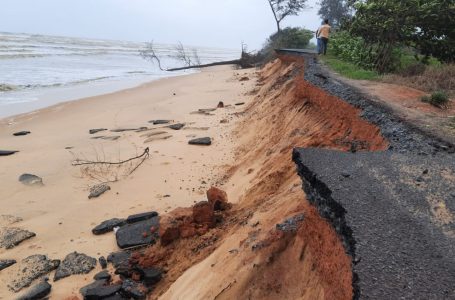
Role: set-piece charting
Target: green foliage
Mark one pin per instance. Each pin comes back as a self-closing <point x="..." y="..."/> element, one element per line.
<point x="348" y="69"/>
<point x="439" y="99"/>
<point x="289" y="37"/>
<point x="336" y="11"/>
<point x="351" y="49"/>
<point x="391" y="24"/>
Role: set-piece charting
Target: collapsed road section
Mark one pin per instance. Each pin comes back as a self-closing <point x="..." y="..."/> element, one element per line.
<point x="394" y="209"/>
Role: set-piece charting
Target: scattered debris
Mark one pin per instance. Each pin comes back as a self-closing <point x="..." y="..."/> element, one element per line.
<point x="224" y="121"/>
<point x="6" y="263"/>
<point x="137" y="234"/>
<point x="245" y="78"/>
<point x="108" y="226"/>
<point x="7" y="152"/>
<point x="141" y="217"/>
<point x="220" y="104"/>
<point x="107" y="138"/>
<point x="177" y="126"/>
<point x="75" y="263"/>
<point x="160" y="122"/>
<point x="103" y="262"/>
<point x="134" y="290"/>
<point x="29" y="269"/>
<point x="156" y="138"/>
<point x="127" y="129"/>
<point x="93" y="131"/>
<point x="30" y="179"/>
<point x="150" y="134"/>
<point x="98" y="283"/>
<point x="205" y="141"/>
<point x="37" y="292"/>
<point x="240" y="103"/>
<point x="21" y="133"/>
<point x="11" y="237"/>
<point x="103" y="275"/>
<point x="291" y="224"/>
<point x="102" y="292"/>
<point x="218" y="199"/>
<point x="98" y="190"/>
<point x="118" y="258"/>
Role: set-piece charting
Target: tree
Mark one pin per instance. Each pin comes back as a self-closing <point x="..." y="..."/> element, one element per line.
<point x="289" y="37"/>
<point x="284" y="8"/>
<point x="335" y="11"/>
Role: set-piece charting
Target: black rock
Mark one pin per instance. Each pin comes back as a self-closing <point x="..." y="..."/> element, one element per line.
<point x="123" y="270"/>
<point x="132" y="289"/>
<point x="118" y="258"/>
<point x="30" y="179"/>
<point x="83" y="290"/>
<point x="75" y="263"/>
<point x="37" y="292"/>
<point x="7" y="152"/>
<point x="141" y="217"/>
<point x="116" y="297"/>
<point x="103" y="262"/>
<point x="137" y="234"/>
<point x="102" y="292"/>
<point x="93" y="131"/>
<point x="160" y="122"/>
<point x="177" y="126"/>
<point x="98" y="190"/>
<point x="345" y="174"/>
<point x="240" y="103"/>
<point x="6" y="263"/>
<point x="151" y="276"/>
<point x="206" y="141"/>
<point x="108" y="226"/>
<point x="102" y="275"/>
<point x="21" y="133"/>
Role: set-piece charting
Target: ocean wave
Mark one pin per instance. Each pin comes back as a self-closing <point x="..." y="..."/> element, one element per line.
<point x="7" y="87"/>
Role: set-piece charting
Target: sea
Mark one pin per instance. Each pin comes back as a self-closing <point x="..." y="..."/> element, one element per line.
<point x="37" y="71"/>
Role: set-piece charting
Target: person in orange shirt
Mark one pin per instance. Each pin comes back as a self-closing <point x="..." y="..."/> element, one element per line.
<point x="323" y="33"/>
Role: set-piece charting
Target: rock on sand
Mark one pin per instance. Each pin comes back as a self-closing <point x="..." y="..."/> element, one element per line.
<point x="75" y="263"/>
<point x="205" y="141"/>
<point x="30" y="179"/>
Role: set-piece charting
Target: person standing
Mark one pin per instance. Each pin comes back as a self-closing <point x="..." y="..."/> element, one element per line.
<point x="323" y="33"/>
<point x="318" y="39"/>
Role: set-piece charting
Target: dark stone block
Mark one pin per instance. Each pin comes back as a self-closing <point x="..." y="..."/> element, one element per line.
<point x="141" y="217"/>
<point x="150" y="276"/>
<point x="108" y="226"/>
<point x="37" y="292"/>
<point x="83" y="290"/>
<point x="102" y="292"/>
<point x="75" y="263"/>
<point x="132" y="289"/>
<point x="103" y="275"/>
<point x="93" y="131"/>
<point x="6" y="263"/>
<point x="30" y="179"/>
<point x="103" y="262"/>
<point x="160" y="122"/>
<point x="118" y="258"/>
<point x="205" y="141"/>
<point x="177" y="126"/>
<point x="7" y="152"/>
<point x="137" y="234"/>
<point x="21" y="133"/>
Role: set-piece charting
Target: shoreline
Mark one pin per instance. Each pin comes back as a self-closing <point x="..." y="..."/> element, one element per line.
<point x="176" y="175"/>
<point x="48" y="97"/>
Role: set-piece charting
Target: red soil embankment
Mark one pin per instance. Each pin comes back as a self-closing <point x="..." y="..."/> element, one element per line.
<point x="248" y="257"/>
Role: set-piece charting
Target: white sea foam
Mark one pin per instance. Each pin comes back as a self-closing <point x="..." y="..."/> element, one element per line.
<point x="31" y="63"/>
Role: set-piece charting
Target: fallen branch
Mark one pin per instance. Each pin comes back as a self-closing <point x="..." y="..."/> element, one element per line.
<point x="79" y="162"/>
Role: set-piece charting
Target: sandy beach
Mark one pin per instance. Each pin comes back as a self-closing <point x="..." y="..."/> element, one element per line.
<point x="176" y="174"/>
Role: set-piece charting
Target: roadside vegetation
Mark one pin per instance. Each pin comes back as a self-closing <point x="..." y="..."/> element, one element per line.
<point x="408" y="42"/>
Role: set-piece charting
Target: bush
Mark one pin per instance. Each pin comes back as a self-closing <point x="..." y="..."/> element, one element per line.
<point x="439" y="99"/>
<point x="352" y="49"/>
<point x="289" y="37"/>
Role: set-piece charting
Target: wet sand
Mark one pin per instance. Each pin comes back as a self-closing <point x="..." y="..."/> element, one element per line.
<point x="176" y="174"/>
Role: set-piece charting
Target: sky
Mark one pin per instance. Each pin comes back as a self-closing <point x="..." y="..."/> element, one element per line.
<point x="213" y="23"/>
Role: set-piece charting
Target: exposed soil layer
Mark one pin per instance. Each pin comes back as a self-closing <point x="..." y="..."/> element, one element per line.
<point x="274" y="244"/>
<point x="400" y="211"/>
<point x="403" y="136"/>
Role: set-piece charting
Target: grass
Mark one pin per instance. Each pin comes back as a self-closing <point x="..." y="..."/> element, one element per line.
<point x="348" y="69"/>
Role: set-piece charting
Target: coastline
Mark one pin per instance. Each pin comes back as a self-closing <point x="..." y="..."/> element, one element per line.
<point x="46" y="97"/>
<point x="177" y="174"/>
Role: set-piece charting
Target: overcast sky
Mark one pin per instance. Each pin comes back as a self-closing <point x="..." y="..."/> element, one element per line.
<point x="217" y="23"/>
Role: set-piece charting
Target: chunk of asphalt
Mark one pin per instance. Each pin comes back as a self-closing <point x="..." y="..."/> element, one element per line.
<point x="93" y="131"/>
<point x="98" y="190"/>
<point x="102" y="292"/>
<point x="5" y="263"/>
<point x="137" y="234"/>
<point x="133" y="290"/>
<point x="160" y="122"/>
<point x="31" y="180"/>
<point x="103" y="262"/>
<point x="205" y="141"/>
<point x="118" y="258"/>
<point x="29" y="269"/>
<point x="37" y="292"/>
<point x="98" y="283"/>
<point x="11" y="236"/>
<point x="108" y="225"/>
<point x="75" y="263"/>
<point x="21" y="133"/>
<point x="103" y="275"/>
<point x="7" y="152"/>
<point x="177" y="126"/>
<point x="141" y="217"/>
